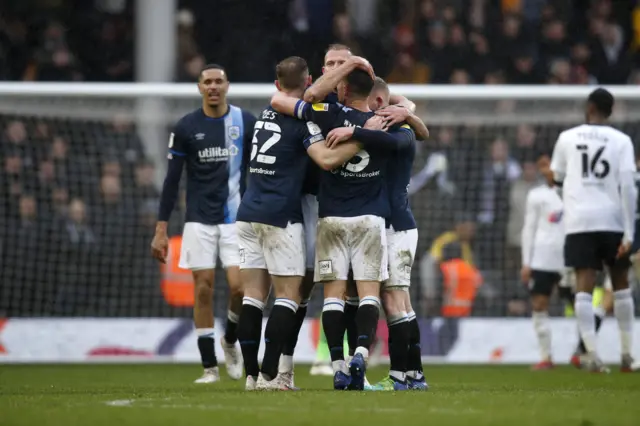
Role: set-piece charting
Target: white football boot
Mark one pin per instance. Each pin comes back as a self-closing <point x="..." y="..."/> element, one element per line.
<point x="232" y="359"/>
<point x="210" y="375"/>
<point x="277" y="384"/>
<point x="250" y="384"/>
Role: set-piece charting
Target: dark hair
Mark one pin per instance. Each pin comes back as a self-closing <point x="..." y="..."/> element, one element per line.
<point x="602" y="100"/>
<point x="213" y="67"/>
<point x="292" y="73"/>
<point x="337" y="46"/>
<point x="360" y="82"/>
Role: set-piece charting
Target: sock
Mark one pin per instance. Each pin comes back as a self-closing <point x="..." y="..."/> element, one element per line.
<point x="598" y="316"/>
<point x="231" y="329"/>
<point x="367" y="321"/>
<point x="249" y="330"/>
<point x="323" y="356"/>
<point x="586" y="321"/>
<point x="623" y="310"/>
<point x="398" y="345"/>
<point x="333" y="325"/>
<point x="206" y="345"/>
<point x="350" y="311"/>
<point x="543" y="332"/>
<point x="286" y="364"/>
<point x="276" y="334"/>
<point x="414" y="359"/>
<point x="290" y="346"/>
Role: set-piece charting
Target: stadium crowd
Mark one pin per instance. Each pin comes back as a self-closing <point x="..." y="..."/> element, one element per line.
<point x="78" y="200"/>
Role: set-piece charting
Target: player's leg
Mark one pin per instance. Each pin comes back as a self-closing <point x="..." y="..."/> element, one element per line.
<point x="581" y="254"/>
<point x="623" y="305"/>
<point x="198" y="253"/>
<point x="256" y="284"/>
<point x="350" y="310"/>
<point x="415" y="372"/>
<point x="286" y="359"/>
<point x="369" y="261"/>
<point x="230" y="257"/>
<point x="284" y="254"/>
<point x="541" y="286"/>
<point x="332" y="269"/>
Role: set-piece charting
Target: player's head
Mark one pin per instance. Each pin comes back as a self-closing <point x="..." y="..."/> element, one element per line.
<point x="465" y="226"/>
<point x="292" y="75"/>
<point x="335" y="56"/>
<point x="544" y="168"/>
<point x="356" y="86"/>
<point x="379" y="96"/>
<point x="599" y="105"/>
<point x="213" y="84"/>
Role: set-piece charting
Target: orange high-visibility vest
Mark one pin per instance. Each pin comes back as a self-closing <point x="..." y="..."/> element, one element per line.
<point x="177" y="283"/>
<point x="461" y="281"/>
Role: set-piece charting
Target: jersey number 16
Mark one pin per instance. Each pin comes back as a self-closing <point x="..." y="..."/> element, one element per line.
<point x="595" y="166"/>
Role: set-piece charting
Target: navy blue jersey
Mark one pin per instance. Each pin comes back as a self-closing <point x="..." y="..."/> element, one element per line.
<point x="277" y="169"/>
<point x="215" y="151"/>
<point x="312" y="179"/>
<point x="358" y="187"/>
<point x="398" y="177"/>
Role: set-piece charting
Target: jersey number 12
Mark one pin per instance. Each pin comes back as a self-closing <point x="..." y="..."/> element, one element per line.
<point x="595" y="166"/>
<point x="274" y="139"/>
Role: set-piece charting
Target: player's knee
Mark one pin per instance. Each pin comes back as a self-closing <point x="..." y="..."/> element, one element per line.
<point x="539" y="303"/>
<point x="236" y="292"/>
<point x="392" y="302"/>
<point x="203" y="292"/>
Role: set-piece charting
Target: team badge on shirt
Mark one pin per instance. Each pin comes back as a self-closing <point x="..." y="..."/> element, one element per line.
<point x="234" y="132"/>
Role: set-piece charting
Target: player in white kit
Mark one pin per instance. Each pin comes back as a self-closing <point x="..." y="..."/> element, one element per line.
<point x="593" y="166"/>
<point x="542" y="259"/>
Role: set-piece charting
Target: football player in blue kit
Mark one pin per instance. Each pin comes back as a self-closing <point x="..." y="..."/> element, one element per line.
<point x="353" y="202"/>
<point x="213" y="144"/>
<point x="270" y="230"/>
<point x="323" y="91"/>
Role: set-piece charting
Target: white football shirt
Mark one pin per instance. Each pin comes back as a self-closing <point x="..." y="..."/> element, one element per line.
<point x="543" y="231"/>
<point x="594" y="164"/>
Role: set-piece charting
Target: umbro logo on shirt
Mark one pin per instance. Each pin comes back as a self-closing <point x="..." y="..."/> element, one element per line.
<point x="217" y="153"/>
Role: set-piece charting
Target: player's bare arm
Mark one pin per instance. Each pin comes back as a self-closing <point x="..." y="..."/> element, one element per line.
<point x="402" y="101"/>
<point x="284" y="103"/>
<point x="330" y="158"/>
<point x="395" y="114"/>
<point x="329" y="81"/>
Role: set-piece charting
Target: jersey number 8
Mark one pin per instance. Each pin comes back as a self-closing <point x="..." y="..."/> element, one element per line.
<point x="596" y="166"/>
<point x="274" y="139"/>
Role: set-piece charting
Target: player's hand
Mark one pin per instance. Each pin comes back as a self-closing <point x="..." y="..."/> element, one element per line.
<point x="623" y="249"/>
<point x="339" y="135"/>
<point x="363" y="64"/>
<point x="160" y="247"/>
<point x="525" y="274"/>
<point x="376" y="123"/>
<point x="394" y="114"/>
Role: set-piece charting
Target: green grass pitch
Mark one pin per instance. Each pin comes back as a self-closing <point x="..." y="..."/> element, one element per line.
<point x="460" y="395"/>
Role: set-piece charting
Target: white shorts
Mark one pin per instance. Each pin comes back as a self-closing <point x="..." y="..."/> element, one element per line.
<point x="401" y="246"/>
<point x="359" y="242"/>
<point x="310" y="218"/>
<point x="278" y="250"/>
<point x="200" y="244"/>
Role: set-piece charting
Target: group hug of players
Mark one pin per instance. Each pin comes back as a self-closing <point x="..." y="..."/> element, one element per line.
<point x="325" y="201"/>
<point x="579" y="222"/>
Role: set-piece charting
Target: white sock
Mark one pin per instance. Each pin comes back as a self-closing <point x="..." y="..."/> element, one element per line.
<point x="205" y="332"/>
<point x="398" y="375"/>
<point x="623" y="310"/>
<point x="286" y="364"/>
<point x="414" y="374"/>
<point x="543" y="332"/>
<point x="362" y="350"/>
<point x="339" y="365"/>
<point x="586" y="320"/>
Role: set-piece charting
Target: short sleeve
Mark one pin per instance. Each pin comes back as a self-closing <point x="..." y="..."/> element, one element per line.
<point x="312" y="134"/>
<point x="323" y="114"/>
<point x="178" y="140"/>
